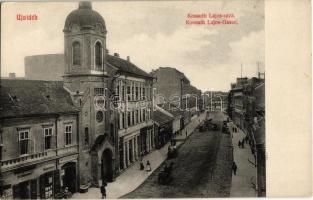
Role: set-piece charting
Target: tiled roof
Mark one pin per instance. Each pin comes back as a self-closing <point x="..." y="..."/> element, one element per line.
<point x="32" y="97"/>
<point x="161" y="118"/>
<point x="126" y="66"/>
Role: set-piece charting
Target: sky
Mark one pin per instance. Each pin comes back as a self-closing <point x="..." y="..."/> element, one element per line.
<point x="154" y="34"/>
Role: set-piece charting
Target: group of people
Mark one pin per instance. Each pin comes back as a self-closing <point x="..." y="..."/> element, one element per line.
<point x="148" y="166"/>
<point x="241" y="143"/>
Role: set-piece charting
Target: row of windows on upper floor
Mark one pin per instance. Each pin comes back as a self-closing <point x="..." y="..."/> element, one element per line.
<point x="134" y="117"/>
<point x="98" y="54"/>
<point x="135" y="91"/>
<point x="26" y="145"/>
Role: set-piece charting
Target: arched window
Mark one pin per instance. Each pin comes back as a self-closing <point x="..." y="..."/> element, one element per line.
<point x="76" y="53"/>
<point x="98" y="55"/>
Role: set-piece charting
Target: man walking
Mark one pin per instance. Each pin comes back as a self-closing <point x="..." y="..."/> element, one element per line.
<point x="103" y="190"/>
<point x="234" y="167"/>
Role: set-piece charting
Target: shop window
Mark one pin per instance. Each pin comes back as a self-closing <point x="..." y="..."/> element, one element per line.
<point x="24" y="142"/>
<point x="68" y="134"/>
<point x="48" y="138"/>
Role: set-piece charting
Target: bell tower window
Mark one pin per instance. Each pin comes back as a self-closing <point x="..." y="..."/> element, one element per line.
<point x="76" y="53"/>
<point x="98" y="55"/>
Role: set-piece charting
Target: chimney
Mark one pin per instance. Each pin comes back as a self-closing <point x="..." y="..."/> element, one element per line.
<point x="116" y="55"/>
<point x="128" y="58"/>
<point x="12" y="75"/>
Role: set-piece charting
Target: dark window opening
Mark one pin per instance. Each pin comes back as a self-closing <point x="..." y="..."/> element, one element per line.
<point x="76" y="53"/>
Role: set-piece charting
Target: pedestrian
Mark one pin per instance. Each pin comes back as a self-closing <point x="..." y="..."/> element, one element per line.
<point x="148" y="166"/>
<point x="142" y="167"/>
<point x="103" y="191"/>
<point x="234" y="167"/>
<point x="186" y="134"/>
<point x="252" y="150"/>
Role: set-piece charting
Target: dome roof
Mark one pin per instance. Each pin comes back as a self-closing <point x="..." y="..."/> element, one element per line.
<point x="84" y="17"/>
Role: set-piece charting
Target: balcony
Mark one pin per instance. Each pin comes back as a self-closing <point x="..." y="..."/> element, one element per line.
<point x="33" y="158"/>
<point x="26" y="159"/>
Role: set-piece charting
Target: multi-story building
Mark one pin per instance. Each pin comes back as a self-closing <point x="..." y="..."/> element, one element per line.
<point x="246" y="107"/>
<point x="134" y="100"/>
<point x="173" y="87"/>
<point x="215" y="100"/>
<point x="39" y="139"/>
<point x="114" y="97"/>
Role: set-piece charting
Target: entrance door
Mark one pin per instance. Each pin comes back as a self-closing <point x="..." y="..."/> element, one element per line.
<point x="69" y="178"/>
<point x="22" y="190"/>
<point x="107" y="166"/>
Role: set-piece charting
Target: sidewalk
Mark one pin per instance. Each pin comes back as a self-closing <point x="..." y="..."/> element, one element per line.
<point x="132" y="177"/>
<point x="246" y="171"/>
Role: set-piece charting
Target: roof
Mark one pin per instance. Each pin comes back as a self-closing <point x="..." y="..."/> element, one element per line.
<point x="126" y="66"/>
<point x="161" y="118"/>
<point x="84" y="17"/>
<point x="171" y="109"/>
<point x="33" y="97"/>
<point x="182" y="75"/>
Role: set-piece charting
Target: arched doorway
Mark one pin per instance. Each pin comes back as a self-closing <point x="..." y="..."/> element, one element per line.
<point x="107" y="166"/>
<point x="69" y="177"/>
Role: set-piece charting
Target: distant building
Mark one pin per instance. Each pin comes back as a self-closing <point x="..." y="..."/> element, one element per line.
<point x="215" y="100"/>
<point x="173" y="87"/>
<point x="49" y="67"/>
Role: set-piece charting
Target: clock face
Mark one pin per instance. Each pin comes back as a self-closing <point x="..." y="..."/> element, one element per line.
<point x="99" y="116"/>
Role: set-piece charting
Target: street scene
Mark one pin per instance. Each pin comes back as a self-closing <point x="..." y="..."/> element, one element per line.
<point x="91" y="111"/>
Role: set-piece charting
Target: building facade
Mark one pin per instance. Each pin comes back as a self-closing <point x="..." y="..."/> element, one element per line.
<point x="173" y="88"/>
<point x="134" y="103"/>
<point x="53" y="69"/>
<point x="39" y="139"/>
<point x="246" y="107"/>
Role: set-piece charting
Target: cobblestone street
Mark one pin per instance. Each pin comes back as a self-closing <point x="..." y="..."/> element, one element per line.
<point x="201" y="169"/>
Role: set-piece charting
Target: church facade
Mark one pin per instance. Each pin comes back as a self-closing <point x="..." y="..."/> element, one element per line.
<point x="114" y="97"/>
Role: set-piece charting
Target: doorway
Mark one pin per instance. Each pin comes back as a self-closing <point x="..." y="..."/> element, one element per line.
<point x="107" y="166"/>
<point x="69" y="177"/>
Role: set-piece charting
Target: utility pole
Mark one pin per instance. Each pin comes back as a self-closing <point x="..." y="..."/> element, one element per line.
<point x="241" y="70"/>
<point x="258" y="69"/>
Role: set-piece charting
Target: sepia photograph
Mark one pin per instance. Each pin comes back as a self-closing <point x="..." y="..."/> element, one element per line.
<point x="132" y="99"/>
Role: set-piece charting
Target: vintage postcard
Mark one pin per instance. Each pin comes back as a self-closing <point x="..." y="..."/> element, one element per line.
<point x="134" y="99"/>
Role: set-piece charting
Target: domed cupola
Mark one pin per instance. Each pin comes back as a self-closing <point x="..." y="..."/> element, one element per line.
<point x="84" y="18"/>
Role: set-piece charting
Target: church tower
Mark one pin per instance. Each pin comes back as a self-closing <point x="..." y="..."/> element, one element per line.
<point x="87" y="78"/>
